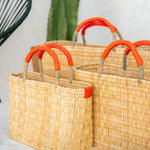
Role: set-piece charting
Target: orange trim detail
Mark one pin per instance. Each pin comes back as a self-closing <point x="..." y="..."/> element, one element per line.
<point x="128" y="44"/>
<point x="61" y="48"/>
<point x="96" y="19"/>
<point x="91" y="24"/>
<point x="137" y="44"/>
<point x="43" y="48"/>
<point x="88" y="92"/>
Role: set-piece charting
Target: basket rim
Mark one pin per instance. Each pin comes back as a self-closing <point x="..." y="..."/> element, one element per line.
<point x="146" y="71"/>
<point x="74" y="82"/>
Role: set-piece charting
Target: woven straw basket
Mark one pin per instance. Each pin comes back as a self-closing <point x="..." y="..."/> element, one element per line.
<point x="120" y="105"/>
<point x="47" y="113"/>
<point x="81" y="53"/>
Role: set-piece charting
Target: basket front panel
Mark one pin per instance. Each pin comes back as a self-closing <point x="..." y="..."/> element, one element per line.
<point x="120" y="111"/>
<point x="46" y="117"/>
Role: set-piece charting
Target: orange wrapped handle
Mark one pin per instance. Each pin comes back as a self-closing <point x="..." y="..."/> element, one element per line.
<point x="96" y="19"/>
<point x="138" y="43"/>
<point x="44" y="48"/>
<point x="61" y="48"/>
<point x="128" y="44"/>
<point x="91" y="24"/>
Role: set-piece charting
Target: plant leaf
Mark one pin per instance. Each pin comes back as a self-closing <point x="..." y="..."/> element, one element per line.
<point x="57" y="27"/>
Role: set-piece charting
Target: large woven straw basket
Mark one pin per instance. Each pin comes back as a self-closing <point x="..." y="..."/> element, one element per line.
<point x="47" y="113"/>
<point x="120" y="104"/>
<point x="81" y="53"/>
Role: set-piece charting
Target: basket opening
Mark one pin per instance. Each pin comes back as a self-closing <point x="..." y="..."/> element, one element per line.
<point x="114" y="70"/>
<point x="51" y="80"/>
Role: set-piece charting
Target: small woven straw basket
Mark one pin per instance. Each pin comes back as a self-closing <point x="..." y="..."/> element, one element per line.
<point x="49" y="113"/>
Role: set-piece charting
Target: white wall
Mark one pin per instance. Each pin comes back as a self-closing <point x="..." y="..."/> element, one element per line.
<point x="131" y="17"/>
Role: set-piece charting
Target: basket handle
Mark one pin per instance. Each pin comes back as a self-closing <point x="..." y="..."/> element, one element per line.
<point x="127" y="50"/>
<point x="50" y="52"/>
<point x="101" y="21"/>
<point x="65" y="51"/>
<point x="91" y="24"/>
<point x="134" y="52"/>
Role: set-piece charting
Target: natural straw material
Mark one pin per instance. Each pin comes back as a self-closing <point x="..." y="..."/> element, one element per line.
<point x="47" y="116"/>
<point x="94" y="148"/>
<point x="120" y="106"/>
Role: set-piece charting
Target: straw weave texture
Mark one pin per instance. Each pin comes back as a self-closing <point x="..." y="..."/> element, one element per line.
<point x="47" y="117"/>
<point x="121" y="107"/>
<point x="94" y="148"/>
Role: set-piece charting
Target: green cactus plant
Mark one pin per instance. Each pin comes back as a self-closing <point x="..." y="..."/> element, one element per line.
<point x="62" y="19"/>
